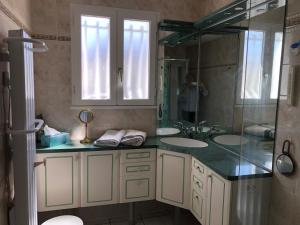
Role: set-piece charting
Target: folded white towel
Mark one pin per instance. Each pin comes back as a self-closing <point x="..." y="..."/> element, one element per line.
<point x="48" y="131"/>
<point x="110" y="138"/>
<point x="134" y="138"/>
<point x="261" y="130"/>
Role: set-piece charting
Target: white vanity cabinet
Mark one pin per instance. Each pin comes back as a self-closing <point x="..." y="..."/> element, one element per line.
<point x="137" y="175"/>
<point x="100" y="178"/>
<point x="173" y="178"/>
<point x="210" y="195"/>
<point x="58" y="181"/>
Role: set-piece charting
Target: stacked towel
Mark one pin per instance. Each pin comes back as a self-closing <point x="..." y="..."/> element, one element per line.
<point x="267" y="131"/>
<point x="134" y="138"/>
<point x="111" y="138"/>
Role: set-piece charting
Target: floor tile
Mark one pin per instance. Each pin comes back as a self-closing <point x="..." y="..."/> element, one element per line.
<point x="164" y="220"/>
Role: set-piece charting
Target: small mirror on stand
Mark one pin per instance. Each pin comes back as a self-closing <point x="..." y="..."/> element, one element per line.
<point x="86" y="116"/>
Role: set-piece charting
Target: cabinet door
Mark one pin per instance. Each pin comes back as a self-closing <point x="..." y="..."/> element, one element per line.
<point x="218" y="200"/>
<point x="137" y="181"/>
<point x="57" y="181"/>
<point x="173" y="178"/>
<point x="197" y="206"/>
<point x="100" y="178"/>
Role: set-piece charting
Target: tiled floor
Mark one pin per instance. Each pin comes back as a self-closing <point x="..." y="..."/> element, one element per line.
<point x="161" y="220"/>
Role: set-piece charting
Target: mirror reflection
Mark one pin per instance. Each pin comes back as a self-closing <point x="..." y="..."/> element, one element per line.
<point x="223" y="85"/>
<point x="86" y="116"/>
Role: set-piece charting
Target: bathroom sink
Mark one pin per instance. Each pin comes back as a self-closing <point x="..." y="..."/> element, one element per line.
<point x="231" y="140"/>
<point x="184" y="142"/>
<point x="167" y="131"/>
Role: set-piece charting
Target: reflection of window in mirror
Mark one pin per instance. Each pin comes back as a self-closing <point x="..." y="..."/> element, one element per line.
<point x="261" y="55"/>
<point x="252" y="65"/>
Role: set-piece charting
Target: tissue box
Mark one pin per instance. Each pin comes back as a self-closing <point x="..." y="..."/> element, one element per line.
<point x="51" y="141"/>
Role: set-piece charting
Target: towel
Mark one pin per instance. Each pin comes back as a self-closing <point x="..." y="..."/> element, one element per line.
<point x="111" y="138"/>
<point x="134" y="138"/>
<point x="267" y="131"/>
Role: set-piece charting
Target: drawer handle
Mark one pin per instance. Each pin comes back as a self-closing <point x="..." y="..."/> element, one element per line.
<point x="198" y="168"/>
<point x="198" y="184"/>
<point x="197" y="197"/>
<point x="36" y="164"/>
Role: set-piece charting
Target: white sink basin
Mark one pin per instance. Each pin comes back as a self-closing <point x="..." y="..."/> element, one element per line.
<point x="184" y="142"/>
<point x="167" y="131"/>
<point x="231" y="140"/>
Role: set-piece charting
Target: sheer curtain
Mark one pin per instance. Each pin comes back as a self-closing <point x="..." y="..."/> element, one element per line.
<point x="276" y="64"/>
<point x="95" y="58"/>
<point x="252" y="65"/>
<point x="136" y="59"/>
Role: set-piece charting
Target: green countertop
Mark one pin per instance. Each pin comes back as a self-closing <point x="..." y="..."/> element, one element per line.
<point x="224" y="162"/>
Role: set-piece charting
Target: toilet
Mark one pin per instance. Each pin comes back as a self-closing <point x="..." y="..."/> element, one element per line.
<point x="64" y="220"/>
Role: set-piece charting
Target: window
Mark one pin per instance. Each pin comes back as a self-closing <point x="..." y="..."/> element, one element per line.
<point x="254" y="50"/>
<point x="95" y="57"/>
<point x="136" y="59"/>
<point x="276" y="64"/>
<point x="113" y="56"/>
<point x="260" y="75"/>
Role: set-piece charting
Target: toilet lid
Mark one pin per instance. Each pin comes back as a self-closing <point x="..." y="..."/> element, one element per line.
<point x="64" y="220"/>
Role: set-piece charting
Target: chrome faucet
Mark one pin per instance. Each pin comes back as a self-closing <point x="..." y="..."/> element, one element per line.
<point x="186" y="131"/>
<point x="179" y="125"/>
<point x="201" y="125"/>
<point x="213" y="127"/>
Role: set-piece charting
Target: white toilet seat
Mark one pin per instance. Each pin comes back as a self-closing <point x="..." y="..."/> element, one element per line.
<point x="64" y="220"/>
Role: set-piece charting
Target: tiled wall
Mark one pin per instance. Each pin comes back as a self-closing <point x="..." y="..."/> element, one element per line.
<point x="9" y="19"/>
<point x="219" y="57"/>
<point x="285" y="205"/>
<point x="19" y="11"/>
<point x="51" y="20"/>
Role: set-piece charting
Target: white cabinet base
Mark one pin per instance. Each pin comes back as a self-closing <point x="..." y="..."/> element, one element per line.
<point x="173" y="178"/>
<point x="100" y="178"/>
<point x="58" y="181"/>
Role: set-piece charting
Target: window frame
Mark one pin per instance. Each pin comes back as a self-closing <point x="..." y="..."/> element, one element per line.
<point x="138" y="15"/>
<point x="116" y="16"/>
<point x="266" y="99"/>
<point x="76" y="12"/>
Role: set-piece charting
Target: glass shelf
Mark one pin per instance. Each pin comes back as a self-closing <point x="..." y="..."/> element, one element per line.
<point x="219" y="22"/>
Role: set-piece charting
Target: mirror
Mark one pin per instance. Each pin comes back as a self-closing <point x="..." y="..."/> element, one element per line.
<point x="86" y="117"/>
<point x="238" y="80"/>
<point x="285" y="165"/>
<point x="179" y="91"/>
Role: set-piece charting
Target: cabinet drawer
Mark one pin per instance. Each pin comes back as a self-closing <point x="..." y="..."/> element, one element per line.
<point x="137" y="181"/>
<point x="137" y="188"/>
<point x="198" y="205"/>
<point x="198" y="169"/>
<point x="198" y="184"/>
<point x="130" y="169"/>
<point x="138" y="155"/>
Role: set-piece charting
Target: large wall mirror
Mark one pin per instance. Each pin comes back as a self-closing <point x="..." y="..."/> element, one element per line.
<point x="227" y="80"/>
